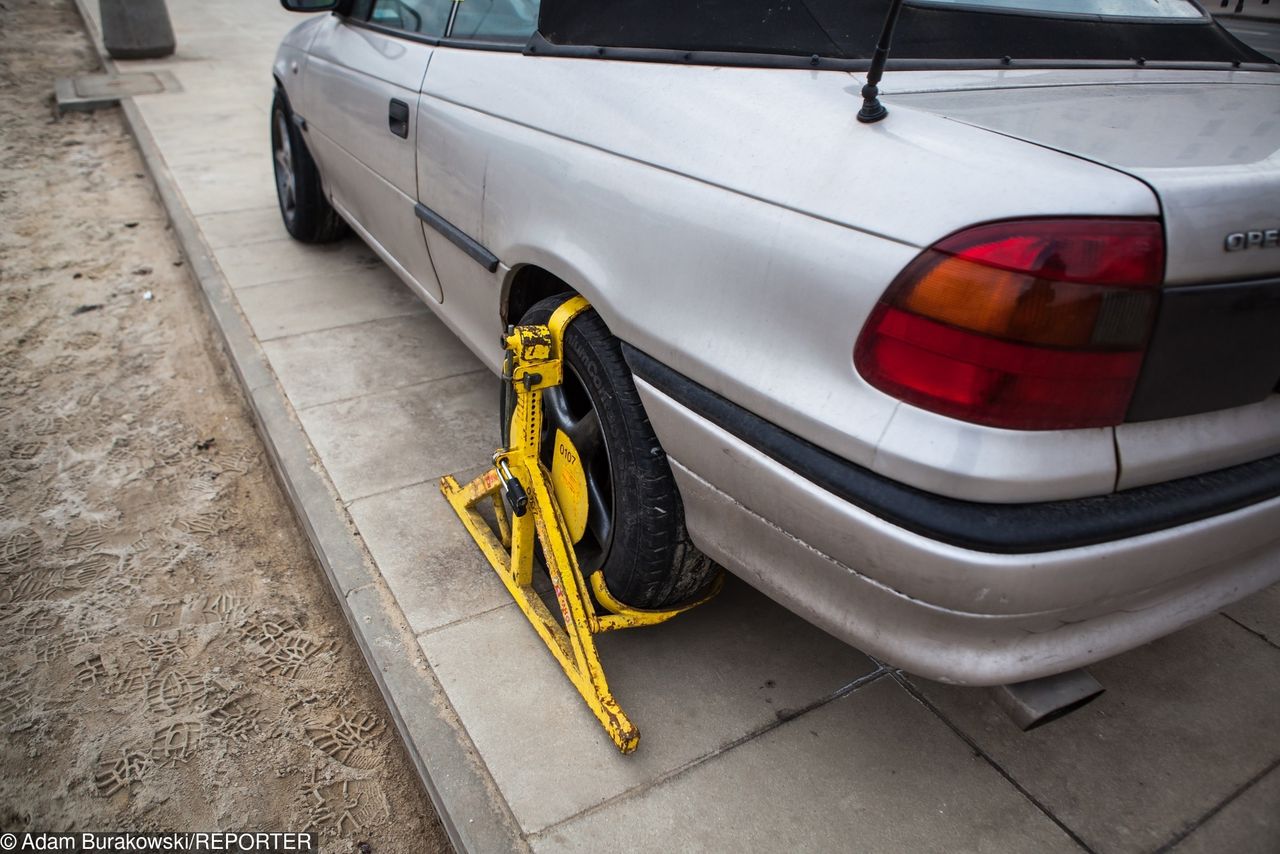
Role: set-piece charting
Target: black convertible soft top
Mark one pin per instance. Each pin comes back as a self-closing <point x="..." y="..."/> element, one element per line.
<point x="846" y="30"/>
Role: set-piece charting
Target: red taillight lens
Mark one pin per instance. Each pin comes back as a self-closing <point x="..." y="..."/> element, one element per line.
<point x="1031" y="325"/>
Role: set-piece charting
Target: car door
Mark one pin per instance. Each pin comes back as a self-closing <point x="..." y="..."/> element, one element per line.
<point x="365" y="76"/>
<point x="453" y="162"/>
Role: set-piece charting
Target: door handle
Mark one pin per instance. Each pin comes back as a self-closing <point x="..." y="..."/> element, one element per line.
<point x="398" y="118"/>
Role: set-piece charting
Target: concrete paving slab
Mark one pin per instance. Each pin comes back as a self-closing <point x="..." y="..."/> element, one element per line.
<point x="428" y="560"/>
<point x="286" y="258"/>
<point x="350" y="361"/>
<point x="1249" y="824"/>
<point x="244" y="152"/>
<point x="1188" y="720"/>
<point x="209" y="195"/>
<point x="207" y="109"/>
<point x="324" y="302"/>
<point x="246" y="138"/>
<point x="870" y="772"/>
<point x="694" y="686"/>
<point x="186" y="64"/>
<point x="197" y="165"/>
<point x="205" y="194"/>
<point x="405" y="436"/>
<point x="239" y="151"/>
<point x="221" y="43"/>
<point x="229" y="170"/>
<point x="242" y="228"/>
<point x="215" y="198"/>
<point x="1260" y="613"/>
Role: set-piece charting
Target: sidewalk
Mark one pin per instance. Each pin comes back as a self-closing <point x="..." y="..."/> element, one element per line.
<point x="760" y="732"/>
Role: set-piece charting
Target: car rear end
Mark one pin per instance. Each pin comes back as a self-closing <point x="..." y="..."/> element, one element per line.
<point x="1027" y="329"/>
<point x="1004" y="348"/>
<point x="924" y="381"/>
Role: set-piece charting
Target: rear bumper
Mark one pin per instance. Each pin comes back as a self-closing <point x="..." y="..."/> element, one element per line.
<point x="1024" y="591"/>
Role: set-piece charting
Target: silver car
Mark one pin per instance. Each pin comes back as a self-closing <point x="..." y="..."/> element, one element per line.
<point x="987" y="388"/>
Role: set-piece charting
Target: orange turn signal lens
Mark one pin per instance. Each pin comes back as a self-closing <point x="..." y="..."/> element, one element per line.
<point x="1021" y="307"/>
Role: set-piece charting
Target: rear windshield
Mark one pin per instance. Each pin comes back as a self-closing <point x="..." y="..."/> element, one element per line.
<point x="983" y="31"/>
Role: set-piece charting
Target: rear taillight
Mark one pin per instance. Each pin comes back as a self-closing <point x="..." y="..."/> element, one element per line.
<point x="1030" y="325"/>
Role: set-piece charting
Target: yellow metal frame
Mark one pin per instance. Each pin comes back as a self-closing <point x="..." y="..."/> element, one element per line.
<point x="535" y="364"/>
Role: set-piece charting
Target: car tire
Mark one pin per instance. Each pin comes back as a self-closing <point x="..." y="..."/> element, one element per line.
<point x="307" y="214"/>
<point x="635" y="529"/>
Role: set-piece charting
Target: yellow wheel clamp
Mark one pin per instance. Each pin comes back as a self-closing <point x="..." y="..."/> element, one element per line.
<point x="534" y="360"/>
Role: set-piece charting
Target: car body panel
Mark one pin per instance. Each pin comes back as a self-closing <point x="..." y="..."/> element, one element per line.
<point x="1156" y="451"/>
<point x="949" y="457"/>
<point x="898" y="82"/>
<point x="371" y="174"/>
<point x="452" y="182"/>
<point x="300" y="36"/>
<point x="690" y="120"/>
<point x="1212" y="154"/>
<point x="290" y="64"/>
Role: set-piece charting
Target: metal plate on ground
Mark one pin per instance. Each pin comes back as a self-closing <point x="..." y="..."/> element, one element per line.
<point x="94" y="91"/>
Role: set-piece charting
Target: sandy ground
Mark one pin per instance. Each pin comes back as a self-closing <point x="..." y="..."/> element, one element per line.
<point x="170" y="657"/>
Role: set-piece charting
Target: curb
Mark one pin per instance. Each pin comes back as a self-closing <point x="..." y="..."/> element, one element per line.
<point x="471" y="809"/>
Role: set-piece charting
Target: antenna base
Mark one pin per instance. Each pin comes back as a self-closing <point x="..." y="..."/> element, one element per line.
<point x="872" y="110"/>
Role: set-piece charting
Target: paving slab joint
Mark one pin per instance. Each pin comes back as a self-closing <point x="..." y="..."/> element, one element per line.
<point x="905" y="682"/>
<point x="1193" y="826"/>
<point x="1262" y="636"/>
<point x="783" y="716"/>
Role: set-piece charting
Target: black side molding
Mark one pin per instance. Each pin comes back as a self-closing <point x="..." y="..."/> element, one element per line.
<point x="457" y="237"/>
<point x="996" y="528"/>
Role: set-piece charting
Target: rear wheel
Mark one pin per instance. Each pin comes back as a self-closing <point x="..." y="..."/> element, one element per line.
<point x="634" y="527"/>
<point x="306" y="212"/>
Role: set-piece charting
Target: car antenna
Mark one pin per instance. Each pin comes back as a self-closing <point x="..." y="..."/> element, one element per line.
<point x="872" y="110"/>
